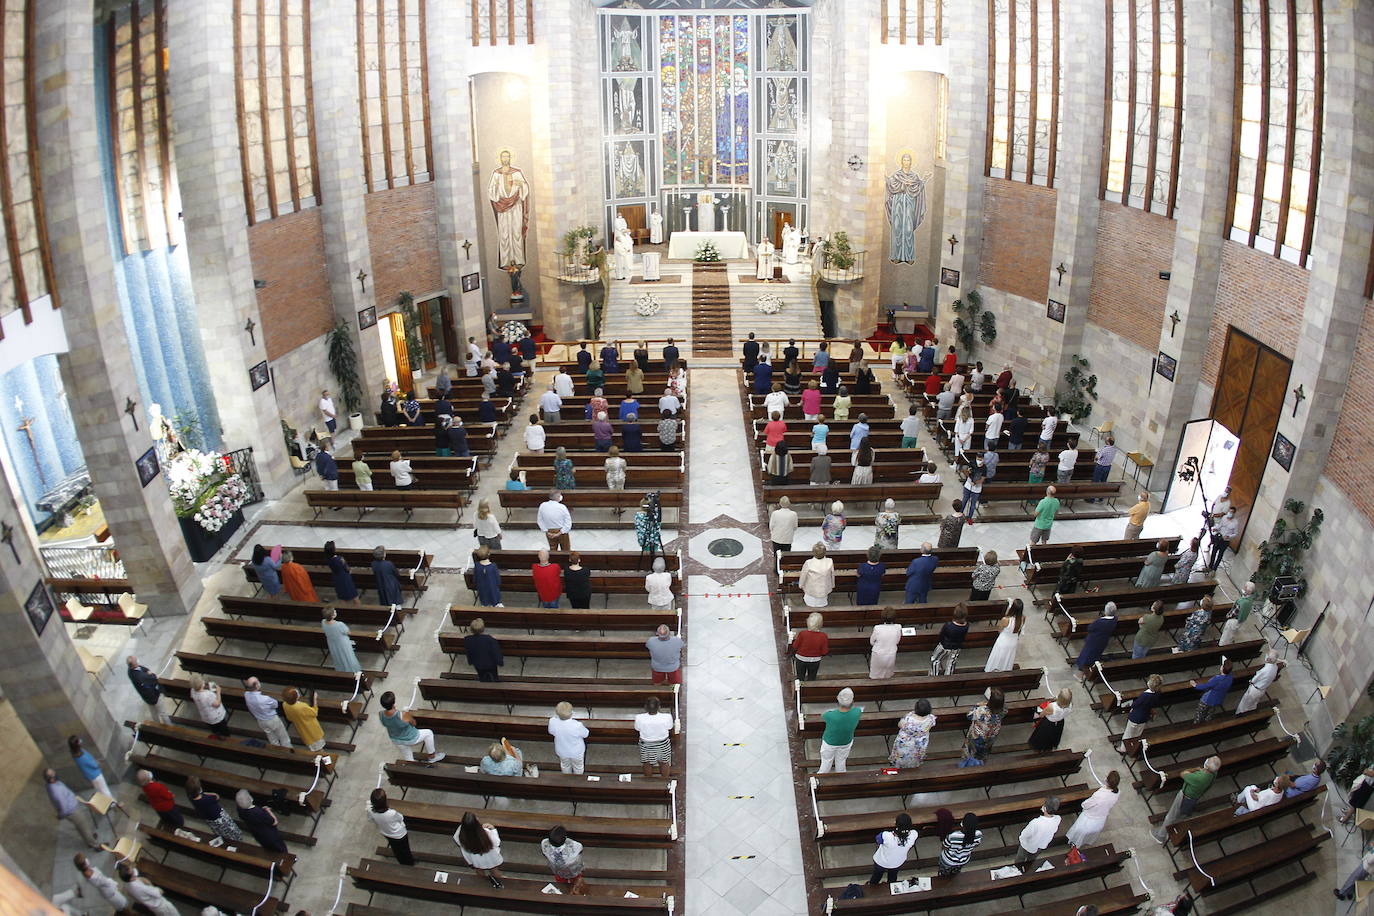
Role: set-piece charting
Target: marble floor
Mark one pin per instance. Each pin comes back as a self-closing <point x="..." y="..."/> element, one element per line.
<point x="743" y="851"/>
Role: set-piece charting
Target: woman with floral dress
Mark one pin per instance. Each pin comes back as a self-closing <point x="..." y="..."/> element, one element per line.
<point x="615" y="470"/>
<point x="1196" y="624"/>
<point x="832" y="527"/>
<point x="913" y="737"/>
<point x="985" y="575"/>
<point x="564" y="477"/>
<point x="888" y="523"/>
<point x="985" y="722"/>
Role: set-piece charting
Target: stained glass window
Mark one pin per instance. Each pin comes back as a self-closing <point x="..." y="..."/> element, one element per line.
<point x="704" y="103"/>
<point x="392" y="80"/>
<point x="1023" y="93"/>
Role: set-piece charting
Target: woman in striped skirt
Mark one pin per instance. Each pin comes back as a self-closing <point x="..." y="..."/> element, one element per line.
<point x="655" y="738"/>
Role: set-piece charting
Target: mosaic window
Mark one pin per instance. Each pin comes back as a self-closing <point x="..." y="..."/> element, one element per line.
<point x="704" y="76"/>
<point x="1023" y="93"/>
<point x="393" y="92"/>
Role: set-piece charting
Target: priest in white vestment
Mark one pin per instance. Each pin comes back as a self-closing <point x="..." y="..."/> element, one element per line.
<point x="656" y="228"/>
<point x="624" y="255"/>
<point x="765" y="260"/>
<point x="791" y="243"/>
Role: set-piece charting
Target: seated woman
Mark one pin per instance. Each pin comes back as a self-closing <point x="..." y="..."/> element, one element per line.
<point x="502" y="762"/>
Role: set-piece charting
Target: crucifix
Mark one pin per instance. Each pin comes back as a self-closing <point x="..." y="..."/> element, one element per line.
<point x="249" y="328"/>
<point x="7" y="536"/>
<point x="953" y="240"/>
<point x="27" y="427"/>
<point x="1175" y="318"/>
<point x="129" y="406"/>
<point x="467" y="249"/>
<point x="1298" y="397"/>
<point x="1062" y="270"/>
<point x="362" y="279"/>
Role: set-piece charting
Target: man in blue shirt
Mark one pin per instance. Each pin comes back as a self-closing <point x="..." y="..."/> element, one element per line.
<point x="919" y="574"/>
<point x="68" y="808"/>
<point x="1213" y="693"/>
<point x="925" y="360"/>
<point x="1308" y="781"/>
<point x="670" y="355"/>
<point x="859" y="432"/>
<point x="763" y="376"/>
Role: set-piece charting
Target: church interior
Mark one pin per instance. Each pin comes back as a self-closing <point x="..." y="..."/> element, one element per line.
<point x="962" y="402"/>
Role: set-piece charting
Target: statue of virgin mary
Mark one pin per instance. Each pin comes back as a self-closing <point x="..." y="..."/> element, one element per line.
<point x="906" y="210"/>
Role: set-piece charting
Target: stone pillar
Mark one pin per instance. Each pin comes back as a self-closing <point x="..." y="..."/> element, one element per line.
<point x="450" y="118"/>
<point x="201" y="93"/>
<point x="1082" y="30"/>
<point x="966" y="36"/>
<point x="339" y="163"/>
<point x="41" y="676"/>
<point x="1203" y="200"/>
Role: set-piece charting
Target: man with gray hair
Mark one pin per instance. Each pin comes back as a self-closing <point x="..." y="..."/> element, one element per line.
<point x="1095" y="641"/>
<point x="1196" y="782"/>
<point x="1260" y="683"/>
<point x="555" y="521"/>
<point x="665" y="656"/>
<point x="838" y="737"/>
<point x="1038" y="834"/>
<point x="264" y="709"/>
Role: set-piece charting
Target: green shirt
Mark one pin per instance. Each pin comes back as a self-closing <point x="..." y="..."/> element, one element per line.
<point x="840" y="725"/>
<point x="1044" y="512"/>
<point x="1148" y="630"/>
<point x="1243" y="605"/>
<point x="1196" y="784"/>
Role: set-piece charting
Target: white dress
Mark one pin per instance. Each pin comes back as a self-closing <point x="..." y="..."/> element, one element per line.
<point x="1003" y="655"/>
<point x="1093" y="817"/>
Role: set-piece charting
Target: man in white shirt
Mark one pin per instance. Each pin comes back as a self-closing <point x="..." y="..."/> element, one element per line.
<point x="534" y="435"/>
<point x="956" y="383"/>
<point x="569" y="738"/>
<point x="1253" y="798"/>
<point x="1224" y="531"/>
<point x="782" y="526"/>
<point x="327" y="411"/>
<point x="668" y="402"/>
<point x="474" y="357"/>
<point x="264" y="710"/>
<point x="1038" y="833"/>
<point x="911" y="425"/>
<point x="1047" y="426"/>
<point x="555" y="521"/>
<point x="775" y="402"/>
<point x="1067" y="459"/>
<point x="993" y="431"/>
<point x="551" y="404"/>
<point x="563" y="383"/>
<point x="1259" y="683"/>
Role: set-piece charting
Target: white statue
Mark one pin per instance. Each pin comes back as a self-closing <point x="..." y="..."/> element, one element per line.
<point x="509" y="194"/>
<point x="791" y="242"/>
<point x="627" y="108"/>
<point x="655" y="228"/>
<point x="622" y="39"/>
<point x="765" y="260"/>
<point x="629" y="173"/>
<point x="624" y="255"/>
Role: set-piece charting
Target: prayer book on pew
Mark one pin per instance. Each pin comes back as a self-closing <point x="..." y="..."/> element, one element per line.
<point x="549" y="889"/>
<point x="910" y="886"/>
<point x="441" y="877"/>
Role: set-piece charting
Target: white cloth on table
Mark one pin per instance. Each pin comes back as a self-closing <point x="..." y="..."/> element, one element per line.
<point x="733" y="246"/>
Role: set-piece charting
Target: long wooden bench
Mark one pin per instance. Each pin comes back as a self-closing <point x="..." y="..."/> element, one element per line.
<point x="200" y="890"/>
<point x="949" y="718"/>
<point x="596" y="694"/>
<point x="242" y="857"/>
<point x="596" y="461"/>
<point x="588" y="498"/>
<point x="640" y="478"/>
<point x="922" y="685"/>
<point x="432" y="479"/>
<point x="1233" y="760"/>
<point x="842" y="470"/>
<point x="293" y="797"/>
<point x="1164" y="662"/>
<point x="1092" y="602"/>
<point x="1224" y="822"/>
<point x="1165" y="740"/>
<point x="1027" y="494"/>
<point x="310" y="677"/>
<point x="847" y="493"/>
<point x="416" y="563"/>
<point x="532" y="619"/>
<point x="1176" y="692"/>
<point x="1000" y="811"/>
<point x="908" y="615"/>
<point x="281" y="634"/>
<point x="580" y="646"/>
<point x="330" y="710"/>
<point x="518" y="728"/>
<point x="1094" y="550"/>
<point x="406" y="500"/>
<point x="1000" y="770"/>
<point x="264" y="759"/>
<point x="1076" y="627"/>
<point x="1091" y="571"/>
<point x="555" y="786"/>
<point x="857" y="644"/>
<point x="100" y="594"/>
<point x="1121" y="900"/>
<point x="533" y="826"/>
<point x="371" y="616"/>
<point x="793" y="412"/>
<point x="1245" y="866"/>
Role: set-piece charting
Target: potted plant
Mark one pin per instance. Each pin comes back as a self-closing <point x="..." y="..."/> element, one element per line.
<point x="343" y="363"/>
<point x="405" y="302"/>
<point x="1076" y="399"/>
<point x="1280" y="554"/>
<point x="577" y="243"/>
<point x="838" y="259"/>
<point x="972" y="323"/>
<point x="707" y="253"/>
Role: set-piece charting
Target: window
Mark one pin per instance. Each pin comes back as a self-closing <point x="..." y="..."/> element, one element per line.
<point x="276" y="137"/>
<point x="501" y="23"/>
<point x="919" y="22"/>
<point x="1023" y="91"/>
<point x="1277" y="122"/>
<point x="1144" y="105"/>
<point x="393" y="92"/>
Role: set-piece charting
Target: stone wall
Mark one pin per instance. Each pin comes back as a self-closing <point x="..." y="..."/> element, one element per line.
<point x="402" y="233"/>
<point x="298" y="376"/>
<point x="1026" y="339"/>
<point x="1018" y="236"/>
<point x="288" y="255"/>
<point x="1128" y="296"/>
<point x="1262" y="296"/>
<point x="1123" y="378"/>
<point x="1349" y="465"/>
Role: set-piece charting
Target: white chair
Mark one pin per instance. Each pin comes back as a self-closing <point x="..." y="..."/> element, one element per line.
<point x="77" y="610"/>
<point x="94" y="664"/>
<point x="131" y="609"/>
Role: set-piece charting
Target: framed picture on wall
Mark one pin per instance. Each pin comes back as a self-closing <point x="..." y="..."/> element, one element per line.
<point x="1165" y="365"/>
<point x="148" y="467"/>
<point x="949" y="277"/>
<point x="472" y="282"/>
<point x="367" y="317"/>
<point x="259" y="375"/>
<point x="1283" y="451"/>
<point x="1055" y="311"/>
<point x="39" y="607"/>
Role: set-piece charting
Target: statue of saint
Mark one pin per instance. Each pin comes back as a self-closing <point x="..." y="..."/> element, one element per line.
<point x="906" y="210"/>
<point x="622" y="40"/>
<point x="509" y="194"/>
<point x="629" y="172"/>
<point x="655" y="228"/>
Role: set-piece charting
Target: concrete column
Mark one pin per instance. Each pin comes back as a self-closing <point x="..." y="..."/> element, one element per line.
<point x="1082" y="29"/>
<point x="966" y="36"/>
<point x="201" y="91"/>
<point x="1203" y="197"/>
<point x="450" y="118"/>
<point x="339" y="162"/>
<point x="41" y="676"/>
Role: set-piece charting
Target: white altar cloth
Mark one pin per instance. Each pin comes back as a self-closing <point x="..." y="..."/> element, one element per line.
<point x="733" y="246"/>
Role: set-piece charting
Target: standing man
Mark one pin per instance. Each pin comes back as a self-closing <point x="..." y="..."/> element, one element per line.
<point x="1196" y="782"/>
<point x="952" y="526"/>
<point x="1038" y="834"/>
<point x="563" y="383"/>
<point x="992" y="431"/>
<point x="665" y="656"/>
<point x="68" y="807"/>
<point x="1259" y="683"/>
<point x="263" y="708"/>
<point x="751" y="353"/>
<point x="1135" y="519"/>
<point x="1245" y="602"/>
<point x="472" y="359"/>
<point x="911" y="425"/>
<point x="1067" y="459"/>
<point x="551" y="404"/>
<point x="1045" y="511"/>
<point x="327" y="467"/>
<point x="148" y="687"/>
<point x="782" y="526"/>
<point x="1102" y="466"/>
<point x="483" y="651"/>
<point x="925" y="360"/>
<point x="327" y="411"/>
<point x="1047" y="426"/>
<point x="670" y="355"/>
<point x="555" y="521"/>
<point x="1224" y="531"/>
<point x="443" y="384"/>
<point x="1095" y="641"/>
<point x="918" y="575"/>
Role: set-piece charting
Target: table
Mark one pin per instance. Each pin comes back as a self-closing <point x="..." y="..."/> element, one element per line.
<point x="905" y="317"/>
<point x="733" y="246"/>
<point x="1142" y="462"/>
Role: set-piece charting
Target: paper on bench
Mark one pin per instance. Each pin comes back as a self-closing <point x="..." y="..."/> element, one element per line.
<point x="467" y="769"/>
<point x="908" y="631"/>
<point x="549" y="889"/>
<point x="441" y="877"/>
<point x="632" y="895"/>
<point x="626" y="777"/>
<point x="1006" y="871"/>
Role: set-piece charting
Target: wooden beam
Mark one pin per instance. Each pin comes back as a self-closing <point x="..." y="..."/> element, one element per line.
<point x="35" y="173"/>
<point x="921" y="21"/>
<point x="529" y="22"/>
<point x="1262" y="162"/>
<point x="140" y="139"/>
<point x="21" y="292"/>
<point x="1130" y="105"/>
<point x="248" y="204"/>
<point x="901" y="22"/>
<point x="164" y="141"/>
<point x="1054" y="98"/>
<point x="1238" y="77"/>
<point x="1290" y="135"/>
<point x="1178" y="109"/>
<point x="491" y="22"/>
<point x="310" y="104"/>
<point x="1011" y="87"/>
<point x="1105" y="168"/>
<point x="939" y="21"/>
<point x="476" y="23"/>
<point x="882" y="17"/>
<point x="268" y="168"/>
<point x="424" y="91"/>
<point x="289" y="124"/>
<point x="405" y="89"/>
<point x="510" y="22"/>
<point x="1318" y="109"/>
<point x="1154" y="107"/>
<point x="1034" y="89"/>
<point x="381" y="89"/>
<point x="361" y="31"/>
<point x="112" y="105"/>
<point x="992" y="87"/>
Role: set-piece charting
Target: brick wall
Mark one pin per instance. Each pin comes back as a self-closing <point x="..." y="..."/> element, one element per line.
<point x="288" y="254"/>
<point x="401" y="230"/>
<point x="1018" y="236"/>
<point x="1127" y="295"/>
<point x="1261" y="295"/>
<point x="1350" y="465"/>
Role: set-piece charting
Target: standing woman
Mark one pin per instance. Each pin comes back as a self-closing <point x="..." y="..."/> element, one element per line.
<point x="411" y="408"/>
<point x="1153" y="570"/>
<point x="863" y="380"/>
<point x="863" y="465"/>
<point x="1049" y="722"/>
<point x="1003" y="654"/>
<point x="205" y="694"/>
<point x="480" y="845"/>
<point x="791" y="380"/>
<point x="893" y="847"/>
<point x="267" y="566"/>
<point x="888" y="525"/>
<point x="564" y="474"/>
<point x="207" y="806"/>
<point x="443" y="445"/>
<point x="817" y="578"/>
<point x="963" y="431"/>
<point x="487" y="528"/>
<point x="959" y="845"/>
<point x="392" y="824"/>
<point x="336" y="637"/>
<point x="90" y="768"/>
<point x="839" y="407"/>
<point x="615" y="470"/>
<point x="1196" y="624"/>
<point x="882" y="657"/>
<point x="486" y="575"/>
<point x="655" y="730"/>
<point x="1096" y="807"/>
<point x="913" y="737"/>
<point x="388" y="580"/>
<point x="641" y="355"/>
<point x="401" y="472"/>
<point x="870" y="583"/>
<point x="344" y="588"/>
<point x="779" y="465"/>
<point x="577" y="582"/>
<point x="832" y="526"/>
<point x="985" y="723"/>
<point x="810" y="646"/>
<point x="634" y="375"/>
<point x="144" y="892"/>
<point x="985" y="575"/>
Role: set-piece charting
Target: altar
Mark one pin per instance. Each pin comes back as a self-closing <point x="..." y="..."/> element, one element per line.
<point x="733" y="246"/>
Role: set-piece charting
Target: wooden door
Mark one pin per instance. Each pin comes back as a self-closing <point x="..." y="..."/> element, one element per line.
<point x="779" y="217"/>
<point x="426" y="334"/>
<point x="399" y="349"/>
<point x="453" y="350"/>
<point x="1250" y="392"/>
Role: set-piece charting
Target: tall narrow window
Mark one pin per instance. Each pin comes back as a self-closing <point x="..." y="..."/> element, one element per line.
<point x="276" y="135"/>
<point x="501" y="22"/>
<point x="1144" y="106"/>
<point x="393" y="92"/>
<point x="913" y="22"/>
<point x="1278" y="122"/>
<point x="1023" y="92"/>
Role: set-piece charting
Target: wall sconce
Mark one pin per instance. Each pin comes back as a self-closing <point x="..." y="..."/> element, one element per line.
<point x="259" y="284"/>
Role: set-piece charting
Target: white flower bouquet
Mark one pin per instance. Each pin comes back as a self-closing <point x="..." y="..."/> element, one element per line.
<point x="647" y="305"/>
<point x="513" y="331"/>
<point x="769" y="303"/>
<point x="707" y="251"/>
<point x="205" y="488"/>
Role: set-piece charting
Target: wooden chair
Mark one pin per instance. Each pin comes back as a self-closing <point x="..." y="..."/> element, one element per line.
<point x="100" y="804"/>
<point x="126" y="847"/>
<point x="1292" y="638"/>
<point x="1103" y="431"/>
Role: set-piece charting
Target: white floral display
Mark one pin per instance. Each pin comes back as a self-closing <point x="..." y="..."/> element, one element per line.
<point x="707" y="252"/>
<point x="769" y="303"/>
<point x="646" y="306"/>
<point x="513" y="331"/>
<point x="205" y="488"/>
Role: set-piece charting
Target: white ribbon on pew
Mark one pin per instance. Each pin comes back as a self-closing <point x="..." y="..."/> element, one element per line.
<point x="1282" y="726"/>
<point x="1139" y="876"/>
<point x="816" y="809"/>
<point x="801" y="716"/>
<point x="1073" y="624"/>
<point x="271" y="879"/>
<point x="413" y="694"/>
<point x="171" y="658"/>
<point x="320" y="761"/>
<point x="386" y="626"/>
<point x="1326" y="796"/>
<point x="677" y="714"/>
<point x="132" y="747"/>
<point x="1030" y="557"/>
<point x="672" y="806"/>
<point x="357" y="685"/>
<point x="1098" y="665"/>
<point x="1145" y="755"/>
<point x="1088" y="756"/>
<point x="381" y="772"/>
<point x="1192" y="853"/>
<point x="343" y="876"/>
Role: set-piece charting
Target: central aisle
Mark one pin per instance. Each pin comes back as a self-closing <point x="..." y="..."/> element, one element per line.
<point x="743" y="851"/>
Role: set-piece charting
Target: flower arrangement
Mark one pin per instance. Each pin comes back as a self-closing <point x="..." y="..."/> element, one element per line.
<point x="513" y="331"/>
<point x="707" y="251"/>
<point x="769" y="303"/>
<point x="646" y="306"/>
<point x="205" y="488"/>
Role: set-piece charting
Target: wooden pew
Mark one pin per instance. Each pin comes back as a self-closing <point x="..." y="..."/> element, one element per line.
<point x="231" y="696"/>
<point x="908" y="615"/>
<point x="405" y="500"/>
<point x="1233" y="760"/>
<point x="580" y="646"/>
<point x="955" y="569"/>
<point x="640" y="478"/>
<point x="951" y="718"/>
<point x="264" y="759"/>
<point x="430" y="478"/>
<point x="371" y="616"/>
<point x="533" y="826"/>
<point x="377" y="876"/>
<point x="555" y="786"/>
<point x="310" y="677"/>
<point x="531" y="619"/>
<point x="1092" y="602"/>
<point x="1164" y="662"/>
<point x="627" y="561"/>
<point x="1224" y="822"/>
<point x="246" y="857"/>
<point x="275" y="634"/>
<point x="1094" y="550"/>
<point x="851" y="493"/>
<point x="1000" y="811"/>
<point x="594" y="695"/>
<point x="596" y="461"/>
<point x="857" y="644"/>
<point x="1121" y="900"/>
<point x="1245" y="866"/>
<point x="1091" y="571"/>
<point x="1174" y="739"/>
<point x="1028" y="494"/>
<point x="226" y="784"/>
<point x="198" y="889"/>
<point x="1128" y="623"/>
<point x="1000" y="770"/>
<point x="1170" y="693"/>
<point x="416" y="563"/>
<point x="587" y="498"/>
<point x="102" y="595"/>
<point x="519" y="728"/>
<point x="920" y="685"/>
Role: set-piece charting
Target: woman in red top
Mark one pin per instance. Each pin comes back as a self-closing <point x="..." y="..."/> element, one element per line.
<point x="548" y="580"/>
<point x="809" y="647"/>
<point x="951" y="362"/>
<point x="775" y="431"/>
<point x="933" y="384"/>
<point x="811" y="401"/>
<point x="160" y="797"/>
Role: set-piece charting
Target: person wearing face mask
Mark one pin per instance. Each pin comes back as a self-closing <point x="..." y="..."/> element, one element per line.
<point x="1223" y="533"/>
<point x="973" y="488"/>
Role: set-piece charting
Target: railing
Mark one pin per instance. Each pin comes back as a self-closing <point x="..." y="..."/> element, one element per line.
<point x="96" y="562"/>
<point x="855" y="271"/>
<point x="575" y="269"/>
<point x="243" y="464"/>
